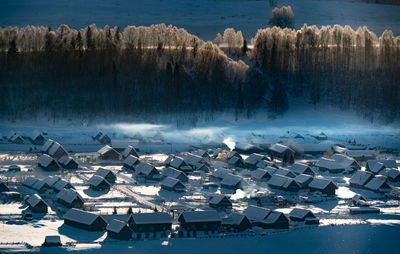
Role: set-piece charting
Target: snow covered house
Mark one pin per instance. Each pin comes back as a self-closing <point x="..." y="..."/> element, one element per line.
<point x="300" y="168"/>
<point x="62" y="184"/>
<point x="174" y="173"/>
<point x="151" y="222"/>
<point x="282" y="151"/>
<point x="131" y="162"/>
<point x="378" y="184"/>
<point x="323" y="185"/>
<point x="255" y="213"/>
<point x="122" y="144"/>
<point x="68" y="162"/>
<point x="195" y="161"/>
<point x="3" y="187"/>
<point x="275" y="220"/>
<point x="285" y="172"/>
<point x="29" y="182"/>
<point x="14" y="168"/>
<point x="38" y="139"/>
<point x="84" y="220"/>
<point x="70" y="198"/>
<point x="325" y="164"/>
<point x="361" y="155"/>
<point x="283" y="183"/>
<point x="57" y="151"/>
<point x="119" y="230"/>
<point x="236" y="161"/>
<point x="201" y="153"/>
<point x="253" y="159"/>
<point x="52" y="241"/>
<point x="97" y="136"/>
<point x="260" y="174"/>
<point x="108" y="153"/>
<point x="220" y="173"/>
<point x="393" y="174"/>
<point x="104" y="139"/>
<point x="97" y="182"/>
<point x="236" y="222"/>
<point x="389" y="163"/>
<point x="220" y="202"/>
<point x="360" y="178"/>
<point x="231" y="181"/>
<point x="40" y="186"/>
<point x="172" y="184"/>
<point x="265" y="163"/>
<point x="16" y="139"/>
<point x="36" y="204"/>
<point x="48" y="163"/>
<point x="147" y="171"/>
<point x="298" y="214"/>
<point x="106" y="174"/>
<point x="200" y="220"/>
<point x="129" y="150"/>
<point x="303" y="180"/>
<point x="179" y="163"/>
<point x="46" y="147"/>
<point x="374" y="166"/>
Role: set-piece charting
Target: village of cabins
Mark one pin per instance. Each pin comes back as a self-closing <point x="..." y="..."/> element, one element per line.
<point x="207" y="191"/>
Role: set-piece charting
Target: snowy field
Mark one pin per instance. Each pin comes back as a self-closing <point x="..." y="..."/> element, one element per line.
<point x="202" y="17"/>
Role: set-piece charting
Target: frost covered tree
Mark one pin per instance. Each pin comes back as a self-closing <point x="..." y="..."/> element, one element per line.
<point x="218" y="39"/>
<point x="282" y="17"/>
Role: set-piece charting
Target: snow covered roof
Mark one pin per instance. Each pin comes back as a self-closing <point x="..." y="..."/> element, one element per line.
<point x="124" y="143"/>
<point x="360" y="178"/>
<point x="171" y="182"/>
<point x="103" y="172"/>
<point x="29" y="182"/>
<point x="68" y="195"/>
<point x="389" y="163"/>
<point x="80" y="216"/>
<point x="201" y="153"/>
<point x="360" y="153"/>
<point x="146" y="169"/>
<point x="192" y="159"/>
<point x="231" y="180"/>
<point x="47" y="145"/>
<point x="280" y="181"/>
<point x="177" y="162"/>
<point x="234" y="160"/>
<point x="201" y="216"/>
<point x="320" y="183"/>
<point x="131" y="160"/>
<point x="96" y="180"/>
<point x="220" y="173"/>
<point x="300" y="168"/>
<point x="106" y="149"/>
<point x="34" y="200"/>
<point x="234" y="154"/>
<point x="129" y="150"/>
<point x="256" y="213"/>
<point x="45" y="160"/>
<point x="39" y="185"/>
<point x="345" y="160"/>
<point x="61" y="184"/>
<point x="234" y="219"/>
<point x="52" y="239"/>
<point x="274" y="217"/>
<point x="55" y="148"/>
<point x="265" y="163"/>
<point x="216" y="199"/>
<point x="302" y="178"/>
<point x="247" y="148"/>
<point x="116" y="225"/>
<point x="391" y="173"/>
<point x="260" y="173"/>
<point x="374" y="166"/>
<point x="151" y="218"/>
<point x="285" y="172"/>
<point x="329" y="164"/>
<point x="168" y="171"/>
<point x="378" y="183"/>
<point x="254" y="158"/>
<point x="301" y="213"/>
<point x="279" y="148"/>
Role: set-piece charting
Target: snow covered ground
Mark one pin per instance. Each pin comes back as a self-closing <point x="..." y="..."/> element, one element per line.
<point x="202" y="17"/>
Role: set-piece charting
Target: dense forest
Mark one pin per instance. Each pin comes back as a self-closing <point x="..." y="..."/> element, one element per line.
<point x="155" y="72"/>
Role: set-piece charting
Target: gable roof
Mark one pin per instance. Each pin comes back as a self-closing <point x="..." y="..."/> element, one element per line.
<point x="360" y="153"/>
<point x="285" y="172"/>
<point x="29" y="182"/>
<point x="260" y="173"/>
<point x="320" y="183"/>
<point x="274" y="217"/>
<point x="146" y="169"/>
<point x="45" y="160"/>
<point x="302" y="178"/>
<point x="80" y="216"/>
<point x="231" y="180"/>
<point x="151" y="218"/>
<point x="103" y="172"/>
<point x="360" y="178"/>
<point x="129" y="150"/>
<point x="172" y="172"/>
<point x="216" y="199"/>
<point x="177" y="162"/>
<point x="116" y="225"/>
<point x="68" y="195"/>
<point x="378" y="183"/>
<point x="389" y="163"/>
<point x="55" y="148"/>
<point x="234" y="219"/>
<point x="106" y="149"/>
<point x="254" y="158"/>
<point x="201" y="216"/>
<point x="280" y="148"/>
<point x="170" y="182"/>
<point x="392" y="173"/>
<point x="300" y="168"/>
<point x="281" y="181"/>
<point x="61" y="184"/>
<point x="130" y="161"/>
<point x="192" y="159"/>
<point x="256" y="213"/>
<point x="300" y="213"/>
<point x="96" y="180"/>
<point x="220" y="173"/>
<point x="46" y="147"/>
<point x="34" y="200"/>
<point x="375" y="166"/>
